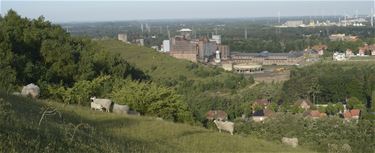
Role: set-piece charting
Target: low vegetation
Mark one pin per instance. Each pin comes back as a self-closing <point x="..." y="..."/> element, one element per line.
<point x="83" y="130"/>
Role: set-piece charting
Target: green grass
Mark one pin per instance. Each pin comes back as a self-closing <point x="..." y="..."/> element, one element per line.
<point x="109" y="132"/>
<point x="157" y="65"/>
<point x="147" y="58"/>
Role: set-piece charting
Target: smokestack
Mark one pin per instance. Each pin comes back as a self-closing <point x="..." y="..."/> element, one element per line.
<point x="246" y="33"/>
<point x="169" y="34"/>
<point x="372" y="17"/>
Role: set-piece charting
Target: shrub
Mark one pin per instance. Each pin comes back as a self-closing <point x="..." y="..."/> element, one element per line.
<point x="80" y="92"/>
<point x="151" y="99"/>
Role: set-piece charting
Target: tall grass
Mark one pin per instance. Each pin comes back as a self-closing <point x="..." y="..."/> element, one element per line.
<point x="84" y="130"/>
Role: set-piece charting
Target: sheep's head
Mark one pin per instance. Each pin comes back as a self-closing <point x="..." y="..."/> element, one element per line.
<point x="215" y="121"/>
<point x="92" y="99"/>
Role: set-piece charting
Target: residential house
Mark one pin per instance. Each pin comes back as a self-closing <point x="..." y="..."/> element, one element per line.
<point x="361" y="51"/>
<point x="339" y="56"/>
<point x="260" y="103"/>
<point x="348" y="53"/>
<point x="261" y="115"/>
<point x="355" y="113"/>
<point x="352" y="114"/>
<point x="304" y="104"/>
<point x="320" y="49"/>
<point x="315" y="114"/>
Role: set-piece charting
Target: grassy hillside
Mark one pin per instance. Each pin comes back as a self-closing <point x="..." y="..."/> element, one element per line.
<point x="156" y="64"/>
<point x="104" y="132"/>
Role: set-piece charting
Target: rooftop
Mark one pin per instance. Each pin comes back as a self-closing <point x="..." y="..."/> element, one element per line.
<point x="185" y="30"/>
<point x="268" y="54"/>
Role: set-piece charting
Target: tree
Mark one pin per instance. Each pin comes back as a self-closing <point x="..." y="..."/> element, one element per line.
<point x="151" y="99"/>
<point x="355" y="103"/>
<point x="331" y="109"/>
<point x="273" y="107"/>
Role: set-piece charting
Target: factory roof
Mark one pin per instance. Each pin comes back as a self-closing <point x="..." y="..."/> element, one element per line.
<point x="185" y="30"/>
<point x="268" y="54"/>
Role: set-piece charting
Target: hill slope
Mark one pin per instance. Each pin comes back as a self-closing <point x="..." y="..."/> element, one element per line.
<point x="103" y="132"/>
<point x="161" y="66"/>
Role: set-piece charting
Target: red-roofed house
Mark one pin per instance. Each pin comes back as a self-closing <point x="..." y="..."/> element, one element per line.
<point x="352" y="114"/>
<point x="355" y="113"/>
<point x="304" y="104"/>
<point x="314" y="114"/>
<point x="261" y="115"/>
<point x="347" y="116"/>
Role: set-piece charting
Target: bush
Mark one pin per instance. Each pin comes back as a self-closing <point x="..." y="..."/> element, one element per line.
<point x="80" y="93"/>
<point x="151" y="99"/>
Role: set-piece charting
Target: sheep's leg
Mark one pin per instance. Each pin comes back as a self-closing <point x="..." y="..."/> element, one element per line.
<point x="220" y="130"/>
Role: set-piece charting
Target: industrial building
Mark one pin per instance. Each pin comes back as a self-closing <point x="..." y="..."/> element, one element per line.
<point x="122" y="37"/>
<point x="267" y="58"/>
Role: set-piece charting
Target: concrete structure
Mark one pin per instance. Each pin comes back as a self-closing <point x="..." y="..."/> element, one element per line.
<point x="247" y="68"/>
<point x="266" y="58"/>
<point x="339" y="56"/>
<point x="122" y="37"/>
<point x="227" y="66"/>
<point x="155" y="47"/>
<point x="184" y="49"/>
<point x="342" y="37"/>
<point x="140" y="42"/>
<point x="216" y="38"/>
<point x="166" y="46"/>
<point x="224" y="52"/>
<point x="348" y="53"/>
<point x="186" y="33"/>
<point x="206" y="49"/>
<point x="296" y="23"/>
<point x="217" y="58"/>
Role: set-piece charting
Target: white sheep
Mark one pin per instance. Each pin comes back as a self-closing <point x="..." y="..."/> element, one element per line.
<point x="290" y="141"/>
<point x="96" y="106"/>
<point x="106" y="103"/>
<point x="120" y="109"/>
<point x="31" y="90"/>
<point x="226" y="126"/>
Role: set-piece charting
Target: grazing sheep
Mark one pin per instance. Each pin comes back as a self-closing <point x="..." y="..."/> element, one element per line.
<point x="226" y="126"/>
<point x="106" y="103"/>
<point x="290" y="141"/>
<point x="120" y="109"/>
<point x="31" y="90"/>
<point x="96" y="106"/>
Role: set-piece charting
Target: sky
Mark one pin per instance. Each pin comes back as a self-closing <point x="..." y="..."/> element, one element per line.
<point x="122" y="10"/>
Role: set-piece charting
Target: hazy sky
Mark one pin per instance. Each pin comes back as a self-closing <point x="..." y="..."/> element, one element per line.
<point x="119" y="10"/>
